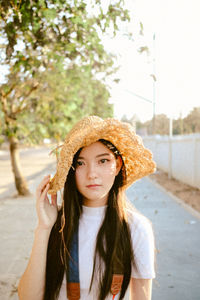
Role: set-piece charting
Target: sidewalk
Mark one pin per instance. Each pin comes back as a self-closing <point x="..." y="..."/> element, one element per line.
<point x="176" y="231"/>
<point x="177" y="242"/>
<point x="18" y="216"/>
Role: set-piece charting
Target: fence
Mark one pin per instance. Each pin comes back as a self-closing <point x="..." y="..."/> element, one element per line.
<point x="179" y="156"/>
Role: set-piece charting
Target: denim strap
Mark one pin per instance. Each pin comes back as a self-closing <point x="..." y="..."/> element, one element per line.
<point x="73" y="281"/>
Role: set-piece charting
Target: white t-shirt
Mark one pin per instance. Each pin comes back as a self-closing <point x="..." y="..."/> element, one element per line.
<point x="142" y="243"/>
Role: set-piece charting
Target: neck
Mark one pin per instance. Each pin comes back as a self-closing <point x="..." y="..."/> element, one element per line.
<point x="95" y="203"/>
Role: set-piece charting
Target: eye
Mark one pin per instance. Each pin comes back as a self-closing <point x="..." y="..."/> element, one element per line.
<point x="79" y="163"/>
<point x="103" y="160"/>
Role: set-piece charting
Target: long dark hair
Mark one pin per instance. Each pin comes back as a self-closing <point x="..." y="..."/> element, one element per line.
<point x="113" y="244"/>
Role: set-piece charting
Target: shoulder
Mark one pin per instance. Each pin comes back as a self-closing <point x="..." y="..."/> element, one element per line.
<point x="143" y="244"/>
<point x="138" y="222"/>
<point x="141" y="233"/>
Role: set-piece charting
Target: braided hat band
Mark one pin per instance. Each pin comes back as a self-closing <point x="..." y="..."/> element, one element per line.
<point x="137" y="159"/>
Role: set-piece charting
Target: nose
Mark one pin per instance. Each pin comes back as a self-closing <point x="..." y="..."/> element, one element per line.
<point x="91" y="171"/>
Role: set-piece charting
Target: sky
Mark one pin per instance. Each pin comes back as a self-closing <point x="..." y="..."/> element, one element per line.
<point x="174" y="58"/>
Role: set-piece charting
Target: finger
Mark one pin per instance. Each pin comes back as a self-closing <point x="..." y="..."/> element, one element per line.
<point x="44" y="192"/>
<point x="42" y="185"/>
<point x="54" y="199"/>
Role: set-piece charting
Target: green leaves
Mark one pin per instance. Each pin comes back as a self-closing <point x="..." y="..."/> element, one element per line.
<point x="54" y="53"/>
<point x="49" y="14"/>
<point x="52" y="23"/>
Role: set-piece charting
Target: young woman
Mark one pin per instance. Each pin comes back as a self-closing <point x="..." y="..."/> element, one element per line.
<point x="95" y="245"/>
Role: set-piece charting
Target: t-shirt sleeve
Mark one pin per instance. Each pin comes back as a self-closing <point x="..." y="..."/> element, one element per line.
<point x="143" y="247"/>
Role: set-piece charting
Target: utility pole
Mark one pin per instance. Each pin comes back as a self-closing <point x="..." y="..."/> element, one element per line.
<point x="170" y="126"/>
<point x="154" y="85"/>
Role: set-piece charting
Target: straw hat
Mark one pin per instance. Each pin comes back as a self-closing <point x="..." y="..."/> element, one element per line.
<point x="137" y="159"/>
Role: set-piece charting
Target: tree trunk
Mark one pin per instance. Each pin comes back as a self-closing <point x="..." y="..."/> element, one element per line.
<point x="20" y="182"/>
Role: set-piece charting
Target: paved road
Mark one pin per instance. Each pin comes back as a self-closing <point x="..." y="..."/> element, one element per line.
<point x="176" y="231"/>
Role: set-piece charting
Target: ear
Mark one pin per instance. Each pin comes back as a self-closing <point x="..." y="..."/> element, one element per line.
<point x="118" y="165"/>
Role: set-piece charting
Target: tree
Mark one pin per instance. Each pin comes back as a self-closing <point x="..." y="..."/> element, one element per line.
<point x="192" y="121"/>
<point x="56" y="107"/>
<point x="178" y="126"/>
<point x="46" y="36"/>
<point x="187" y="125"/>
<point x="133" y="121"/>
<point x="161" y="125"/>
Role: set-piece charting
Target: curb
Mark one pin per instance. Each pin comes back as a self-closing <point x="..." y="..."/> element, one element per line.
<point x="187" y="207"/>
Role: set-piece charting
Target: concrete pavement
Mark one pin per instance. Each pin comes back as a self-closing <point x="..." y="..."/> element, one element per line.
<point x="18" y="216"/>
<point x="176" y="231"/>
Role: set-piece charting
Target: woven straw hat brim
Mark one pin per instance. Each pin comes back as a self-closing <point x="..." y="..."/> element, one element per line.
<point x="137" y="159"/>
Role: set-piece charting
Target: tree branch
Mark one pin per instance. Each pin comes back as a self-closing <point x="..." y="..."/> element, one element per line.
<point x="22" y="108"/>
<point x="4" y="104"/>
<point x="10" y="90"/>
<point x="7" y="117"/>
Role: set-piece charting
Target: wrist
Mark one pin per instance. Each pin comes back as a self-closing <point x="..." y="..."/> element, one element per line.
<point x="40" y="229"/>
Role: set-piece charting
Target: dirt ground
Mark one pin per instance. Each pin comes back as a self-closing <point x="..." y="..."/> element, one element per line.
<point x="188" y="194"/>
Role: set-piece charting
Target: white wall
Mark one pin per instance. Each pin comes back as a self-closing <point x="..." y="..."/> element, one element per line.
<point x="179" y="156"/>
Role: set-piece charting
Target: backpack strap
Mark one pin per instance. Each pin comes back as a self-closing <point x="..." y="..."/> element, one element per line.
<point x="118" y="276"/>
<point x="73" y="281"/>
<point x="72" y="273"/>
<point x="73" y="290"/>
<point x="116" y="284"/>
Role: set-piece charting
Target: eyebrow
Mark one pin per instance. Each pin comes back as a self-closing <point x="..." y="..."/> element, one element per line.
<point x="99" y="155"/>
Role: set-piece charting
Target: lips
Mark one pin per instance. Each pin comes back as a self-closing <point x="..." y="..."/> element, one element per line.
<point x="92" y="185"/>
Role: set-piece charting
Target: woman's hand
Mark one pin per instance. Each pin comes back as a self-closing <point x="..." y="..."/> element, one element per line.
<point x="47" y="212"/>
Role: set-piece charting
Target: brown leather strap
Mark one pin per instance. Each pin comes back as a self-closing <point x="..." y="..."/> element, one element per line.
<point x="73" y="290"/>
<point x="116" y="284"/>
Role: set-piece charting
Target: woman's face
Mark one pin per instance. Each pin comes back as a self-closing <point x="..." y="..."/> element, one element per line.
<point x="95" y="173"/>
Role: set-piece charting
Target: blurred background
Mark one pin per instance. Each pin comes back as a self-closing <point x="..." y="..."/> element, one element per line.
<point x="135" y="60"/>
